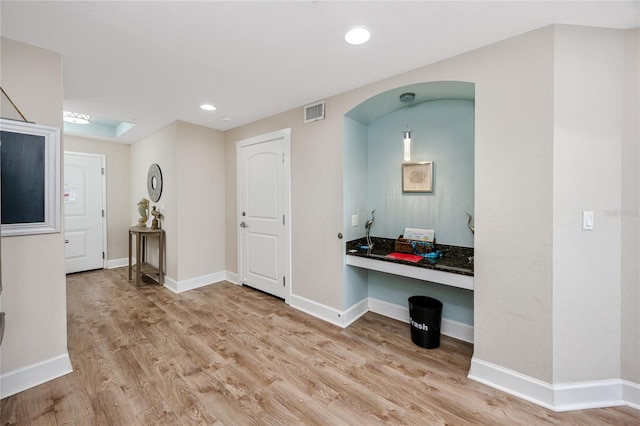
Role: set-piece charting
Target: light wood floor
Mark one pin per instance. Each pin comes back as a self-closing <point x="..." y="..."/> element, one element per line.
<point x="226" y="354"/>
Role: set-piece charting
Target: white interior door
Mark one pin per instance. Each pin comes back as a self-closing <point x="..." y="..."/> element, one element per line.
<point x="83" y="212"/>
<point x="263" y="199"/>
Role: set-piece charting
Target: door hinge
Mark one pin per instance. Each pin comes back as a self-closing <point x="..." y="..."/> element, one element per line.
<point x="102" y="255"/>
<point x="102" y="171"/>
<point x="283" y="157"/>
<point x="284" y="281"/>
<point x="283" y="219"/>
<point x="102" y="213"/>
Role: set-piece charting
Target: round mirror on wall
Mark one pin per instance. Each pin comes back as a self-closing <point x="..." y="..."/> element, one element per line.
<point x="154" y="182"/>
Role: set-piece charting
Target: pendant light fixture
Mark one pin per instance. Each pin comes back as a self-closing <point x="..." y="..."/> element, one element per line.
<point x="406" y="134"/>
<point x="406" y="138"/>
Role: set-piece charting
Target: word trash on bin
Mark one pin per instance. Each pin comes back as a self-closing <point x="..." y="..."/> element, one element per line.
<point x="419" y="326"/>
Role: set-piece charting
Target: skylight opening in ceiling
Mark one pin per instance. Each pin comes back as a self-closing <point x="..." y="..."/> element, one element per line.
<point x="102" y="127"/>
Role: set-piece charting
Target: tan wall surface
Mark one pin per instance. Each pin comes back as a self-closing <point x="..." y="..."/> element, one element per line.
<point x="630" y="211"/>
<point x="159" y="148"/>
<point x="33" y="277"/>
<point x="587" y="176"/>
<point x="200" y="201"/>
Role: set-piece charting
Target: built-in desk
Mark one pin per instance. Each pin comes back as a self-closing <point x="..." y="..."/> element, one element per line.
<point x="453" y="269"/>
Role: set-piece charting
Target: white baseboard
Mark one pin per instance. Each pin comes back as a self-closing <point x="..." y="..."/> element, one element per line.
<point x="354" y="312"/>
<point x="631" y="394"/>
<point x="193" y="283"/>
<point x="561" y="397"/>
<point x="232" y="277"/>
<point x="118" y="263"/>
<point x="318" y="310"/>
<point x="343" y="319"/>
<point x="450" y="328"/>
<point x="390" y="310"/>
<point x="512" y="382"/>
<point x="33" y="375"/>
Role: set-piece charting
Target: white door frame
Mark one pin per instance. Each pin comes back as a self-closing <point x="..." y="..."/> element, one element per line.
<point x="103" y="162"/>
<point x="285" y="135"/>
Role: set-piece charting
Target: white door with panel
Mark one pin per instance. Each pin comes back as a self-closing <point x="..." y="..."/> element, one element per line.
<point x="263" y="205"/>
<point x="83" y="212"/>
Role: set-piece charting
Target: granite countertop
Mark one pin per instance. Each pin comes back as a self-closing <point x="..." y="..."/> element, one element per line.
<point x="454" y="259"/>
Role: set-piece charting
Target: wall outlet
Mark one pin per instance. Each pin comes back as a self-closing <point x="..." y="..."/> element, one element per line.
<point x="354" y="220"/>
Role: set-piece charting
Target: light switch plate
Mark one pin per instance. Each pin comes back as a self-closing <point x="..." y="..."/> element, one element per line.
<point x="354" y="220"/>
<point x="587" y="221"/>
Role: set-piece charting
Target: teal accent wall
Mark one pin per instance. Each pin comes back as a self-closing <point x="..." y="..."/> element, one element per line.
<point x="443" y="132"/>
<point x="355" y="202"/>
<point x="457" y="302"/>
<point x="356" y="177"/>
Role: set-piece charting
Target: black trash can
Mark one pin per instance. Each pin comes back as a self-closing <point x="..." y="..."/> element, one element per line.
<point x="425" y="315"/>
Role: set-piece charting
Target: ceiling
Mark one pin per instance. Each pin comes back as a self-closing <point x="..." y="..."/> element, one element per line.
<point x="154" y="62"/>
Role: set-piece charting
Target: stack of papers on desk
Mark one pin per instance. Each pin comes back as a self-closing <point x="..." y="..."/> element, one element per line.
<point x="418" y="234"/>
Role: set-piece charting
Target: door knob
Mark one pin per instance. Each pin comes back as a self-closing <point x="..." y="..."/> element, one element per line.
<point x="243" y="224"/>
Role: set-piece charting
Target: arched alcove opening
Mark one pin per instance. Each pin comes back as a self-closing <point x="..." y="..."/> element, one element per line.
<point x="442" y="118"/>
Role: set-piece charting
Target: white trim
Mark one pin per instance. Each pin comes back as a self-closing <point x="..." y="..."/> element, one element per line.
<point x="457" y="330"/>
<point x="561" y="397"/>
<point x="52" y="179"/>
<point x="193" y="283"/>
<point x="232" y="277"/>
<point x="450" y="328"/>
<point x="285" y="135"/>
<point x="354" y="312"/>
<point x="425" y="274"/>
<point x="343" y="319"/>
<point x="631" y="394"/>
<point x="318" y="310"/>
<point x="34" y="375"/>
<point x="511" y="382"/>
<point x="586" y="395"/>
<point x="390" y="310"/>
<point x="119" y="263"/>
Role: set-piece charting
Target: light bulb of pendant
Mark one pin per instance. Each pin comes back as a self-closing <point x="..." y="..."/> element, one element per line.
<point x="407" y="145"/>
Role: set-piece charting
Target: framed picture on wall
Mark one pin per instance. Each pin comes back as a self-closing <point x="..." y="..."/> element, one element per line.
<point x="417" y="177"/>
<point x="29" y="178"/>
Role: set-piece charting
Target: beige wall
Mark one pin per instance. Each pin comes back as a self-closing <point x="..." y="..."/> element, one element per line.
<point x="192" y="160"/>
<point x="200" y="201"/>
<point x="118" y="173"/>
<point x="587" y="143"/>
<point x="159" y="148"/>
<point x="630" y="212"/>
<point x="34" y="296"/>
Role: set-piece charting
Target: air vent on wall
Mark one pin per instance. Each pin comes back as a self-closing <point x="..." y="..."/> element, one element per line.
<point x="314" y="112"/>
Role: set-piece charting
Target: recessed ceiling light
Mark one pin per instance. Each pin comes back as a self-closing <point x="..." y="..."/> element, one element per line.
<point x="227" y="119"/>
<point x="208" y="107"/>
<point x="357" y="35"/>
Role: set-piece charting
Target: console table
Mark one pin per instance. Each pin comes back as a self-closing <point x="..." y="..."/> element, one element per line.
<point x="141" y="267"/>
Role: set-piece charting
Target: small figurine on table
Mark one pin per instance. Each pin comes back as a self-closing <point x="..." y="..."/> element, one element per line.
<point x="156" y="216"/>
<point x="143" y="208"/>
